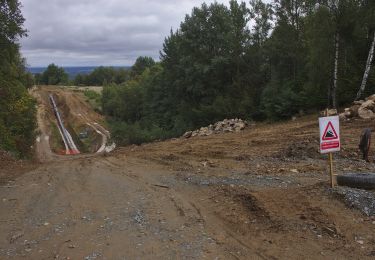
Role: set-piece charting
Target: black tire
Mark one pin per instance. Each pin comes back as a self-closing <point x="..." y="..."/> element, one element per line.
<point x="365" y="142"/>
<point x="361" y="181"/>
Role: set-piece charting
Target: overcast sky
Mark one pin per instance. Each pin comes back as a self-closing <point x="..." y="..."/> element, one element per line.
<point x="99" y="32"/>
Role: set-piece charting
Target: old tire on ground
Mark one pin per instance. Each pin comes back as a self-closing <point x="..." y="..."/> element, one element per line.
<point x="361" y="181"/>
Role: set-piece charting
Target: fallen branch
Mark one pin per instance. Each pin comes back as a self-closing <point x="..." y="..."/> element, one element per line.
<point x="161" y="186"/>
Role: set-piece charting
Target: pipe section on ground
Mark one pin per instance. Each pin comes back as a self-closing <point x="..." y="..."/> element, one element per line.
<point x="357" y="180"/>
<point x="70" y="146"/>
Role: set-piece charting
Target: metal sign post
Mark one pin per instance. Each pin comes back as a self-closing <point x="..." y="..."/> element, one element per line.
<point x="329" y="140"/>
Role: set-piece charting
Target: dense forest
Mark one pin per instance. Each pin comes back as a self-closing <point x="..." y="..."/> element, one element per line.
<point x="250" y="60"/>
<point x="17" y="108"/>
<point x="255" y="61"/>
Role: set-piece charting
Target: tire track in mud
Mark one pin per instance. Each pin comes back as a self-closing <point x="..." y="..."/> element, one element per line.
<point x="88" y="191"/>
<point x="185" y="206"/>
<point x="189" y="209"/>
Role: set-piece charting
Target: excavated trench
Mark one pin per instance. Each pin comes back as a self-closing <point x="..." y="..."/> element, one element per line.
<point x="87" y="138"/>
<point x="92" y="141"/>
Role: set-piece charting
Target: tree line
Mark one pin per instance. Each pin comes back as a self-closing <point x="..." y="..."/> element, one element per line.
<point x="55" y="75"/>
<point x="251" y="60"/>
<point x="254" y="61"/>
<point x="17" y="107"/>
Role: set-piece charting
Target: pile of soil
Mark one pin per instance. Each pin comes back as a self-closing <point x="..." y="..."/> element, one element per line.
<point x="301" y="149"/>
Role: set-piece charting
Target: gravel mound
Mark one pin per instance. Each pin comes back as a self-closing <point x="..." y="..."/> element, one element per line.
<point x="359" y="199"/>
<point x="225" y="126"/>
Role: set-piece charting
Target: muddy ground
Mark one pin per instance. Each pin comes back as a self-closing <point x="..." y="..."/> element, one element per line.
<point x="262" y="193"/>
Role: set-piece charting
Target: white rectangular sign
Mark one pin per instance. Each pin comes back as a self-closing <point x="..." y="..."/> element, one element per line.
<point x="329" y="134"/>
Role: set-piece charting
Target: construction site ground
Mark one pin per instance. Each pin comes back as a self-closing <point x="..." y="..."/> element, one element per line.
<point x="262" y="193"/>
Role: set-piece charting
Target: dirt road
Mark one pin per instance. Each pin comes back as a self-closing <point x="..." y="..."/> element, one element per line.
<point x="259" y="194"/>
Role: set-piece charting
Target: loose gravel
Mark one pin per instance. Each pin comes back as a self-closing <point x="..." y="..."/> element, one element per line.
<point x="359" y="199"/>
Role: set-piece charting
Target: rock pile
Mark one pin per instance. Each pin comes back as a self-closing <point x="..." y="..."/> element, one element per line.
<point x="329" y="112"/>
<point x="359" y="199"/>
<point x="225" y="126"/>
<point x="363" y="108"/>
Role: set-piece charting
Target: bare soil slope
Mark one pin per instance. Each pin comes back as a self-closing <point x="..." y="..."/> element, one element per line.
<point x="259" y="194"/>
<point x="78" y="116"/>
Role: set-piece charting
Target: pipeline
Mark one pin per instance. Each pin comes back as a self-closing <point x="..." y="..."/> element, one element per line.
<point x="70" y="146"/>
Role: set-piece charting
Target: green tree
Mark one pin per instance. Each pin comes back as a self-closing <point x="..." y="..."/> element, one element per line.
<point x="79" y="80"/>
<point x="54" y="75"/>
<point x="320" y="28"/>
<point x="257" y="60"/>
<point x="141" y="64"/>
<point x="17" y="108"/>
<point x="205" y="65"/>
<point x="261" y="13"/>
<point x="11" y="21"/>
<point x="103" y="76"/>
<point x="346" y="21"/>
<point x="367" y="15"/>
<point x="286" y="53"/>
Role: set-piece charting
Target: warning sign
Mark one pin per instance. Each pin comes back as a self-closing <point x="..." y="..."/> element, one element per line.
<point x="329" y="134"/>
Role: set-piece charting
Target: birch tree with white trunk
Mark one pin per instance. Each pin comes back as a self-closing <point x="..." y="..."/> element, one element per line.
<point x="335" y="71"/>
<point x="367" y="70"/>
<point x="334" y="7"/>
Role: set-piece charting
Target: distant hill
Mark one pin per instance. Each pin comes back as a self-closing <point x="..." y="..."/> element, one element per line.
<point x="73" y="71"/>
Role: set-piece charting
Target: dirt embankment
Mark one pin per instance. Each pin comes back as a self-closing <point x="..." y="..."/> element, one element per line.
<point x="269" y="189"/>
<point x="262" y="193"/>
<point x="78" y="117"/>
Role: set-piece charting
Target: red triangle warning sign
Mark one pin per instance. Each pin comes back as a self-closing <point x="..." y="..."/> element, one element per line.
<point x="329" y="133"/>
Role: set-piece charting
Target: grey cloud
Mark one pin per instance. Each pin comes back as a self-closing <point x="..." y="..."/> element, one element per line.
<point x="98" y="32"/>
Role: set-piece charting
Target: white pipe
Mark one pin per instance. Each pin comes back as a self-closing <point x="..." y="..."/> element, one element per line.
<point x="67" y="138"/>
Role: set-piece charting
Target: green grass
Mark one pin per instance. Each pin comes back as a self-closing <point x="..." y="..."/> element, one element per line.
<point x="94" y="99"/>
<point x="91" y="94"/>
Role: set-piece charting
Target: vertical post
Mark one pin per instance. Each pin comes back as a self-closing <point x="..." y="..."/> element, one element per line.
<point x="331" y="170"/>
<point x="330" y="161"/>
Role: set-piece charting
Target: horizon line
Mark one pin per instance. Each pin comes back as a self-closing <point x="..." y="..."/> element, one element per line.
<point x="77" y="66"/>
